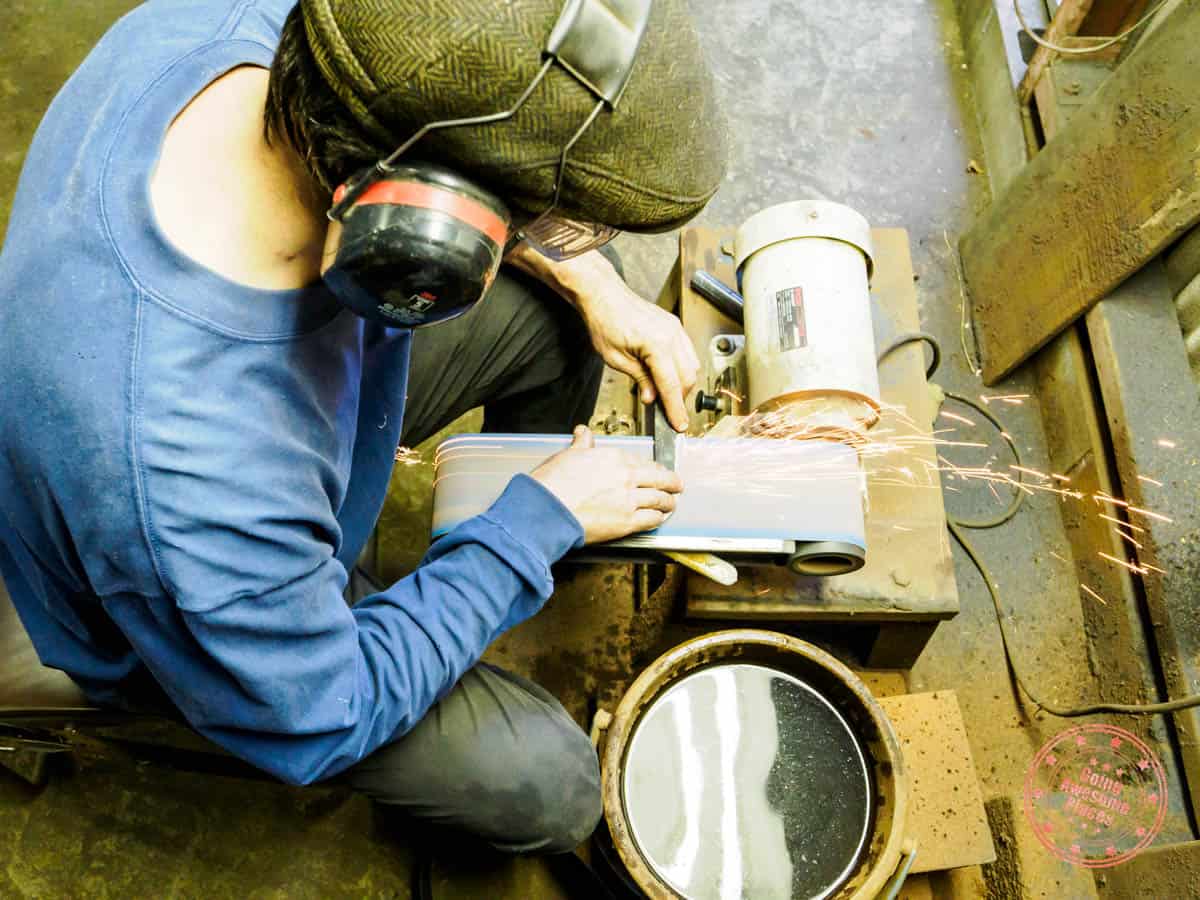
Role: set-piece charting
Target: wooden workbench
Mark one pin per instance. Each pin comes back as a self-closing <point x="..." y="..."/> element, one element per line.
<point x="907" y="585"/>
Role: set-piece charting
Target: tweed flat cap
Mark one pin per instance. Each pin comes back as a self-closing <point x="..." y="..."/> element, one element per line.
<point x="648" y="165"/>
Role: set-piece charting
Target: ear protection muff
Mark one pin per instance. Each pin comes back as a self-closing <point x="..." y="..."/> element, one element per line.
<point x="419" y="245"/>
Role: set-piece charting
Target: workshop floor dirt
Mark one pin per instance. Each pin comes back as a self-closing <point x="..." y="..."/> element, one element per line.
<point x="859" y="102"/>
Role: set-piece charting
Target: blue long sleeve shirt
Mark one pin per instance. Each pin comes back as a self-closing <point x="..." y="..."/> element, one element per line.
<point x="189" y="467"/>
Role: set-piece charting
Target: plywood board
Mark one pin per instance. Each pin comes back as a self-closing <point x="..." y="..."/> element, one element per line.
<point x="946" y="815"/>
<point x="1153" y="415"/>
<point x="1116" y="185"/>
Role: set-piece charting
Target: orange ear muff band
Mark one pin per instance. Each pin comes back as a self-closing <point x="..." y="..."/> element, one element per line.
<point x="425" y="196"/>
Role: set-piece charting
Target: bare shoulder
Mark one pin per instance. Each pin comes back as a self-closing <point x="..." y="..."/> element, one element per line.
<point x="221" y="196"/>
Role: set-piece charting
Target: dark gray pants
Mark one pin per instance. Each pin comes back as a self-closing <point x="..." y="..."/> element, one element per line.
<point x="498" y="757"/>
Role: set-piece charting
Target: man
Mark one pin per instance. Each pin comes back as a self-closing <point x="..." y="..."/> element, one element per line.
<point x="196" y="438"/>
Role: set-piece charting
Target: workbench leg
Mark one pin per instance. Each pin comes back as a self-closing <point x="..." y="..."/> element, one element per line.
<point x="898" y="646"/>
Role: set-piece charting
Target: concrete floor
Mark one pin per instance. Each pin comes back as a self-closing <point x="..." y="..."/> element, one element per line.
<point x="840" y="101"/>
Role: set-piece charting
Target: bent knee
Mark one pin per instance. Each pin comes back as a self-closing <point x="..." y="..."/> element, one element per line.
<point x="497" y="758"/>
<point x="557" y="802"/>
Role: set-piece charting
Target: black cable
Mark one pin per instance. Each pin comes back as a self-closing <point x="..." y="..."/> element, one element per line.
<point x="1015" y="505"/>
<point x="956" y="525"/>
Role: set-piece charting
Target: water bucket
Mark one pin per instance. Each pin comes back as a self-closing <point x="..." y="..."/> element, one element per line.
<point x="748" y="763"/>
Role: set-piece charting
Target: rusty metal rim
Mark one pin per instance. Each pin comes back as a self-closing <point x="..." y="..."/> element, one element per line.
<point x="730" y="645"/>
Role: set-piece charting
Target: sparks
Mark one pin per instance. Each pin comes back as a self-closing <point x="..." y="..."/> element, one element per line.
<point x="1015" y="399"/>
<point x="1127" y="537"/>
<point x="407" y="456"/>
<point x="1151" y="514"/>
<point x="1121" y="522"/>
<point x="1164" y="442"/>
<point x="1150" y="480"/>
<point x="1093" y="594"/>
<point x="956" y="418"/>
<point x="1137" y="570"/>
<point x="1029" y="471"/>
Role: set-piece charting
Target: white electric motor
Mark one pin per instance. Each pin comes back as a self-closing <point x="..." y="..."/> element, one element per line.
<point x="805" y="271"/>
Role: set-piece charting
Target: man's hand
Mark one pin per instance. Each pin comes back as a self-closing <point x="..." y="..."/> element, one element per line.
<point x="633" y="336"/>
<point x="610" y="492"/>
<point x="645" y="342"/>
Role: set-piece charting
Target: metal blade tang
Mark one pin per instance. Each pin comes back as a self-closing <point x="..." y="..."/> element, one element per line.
<point x="664" y="438"/>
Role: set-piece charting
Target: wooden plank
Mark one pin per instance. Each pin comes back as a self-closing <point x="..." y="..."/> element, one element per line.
<point x="909" y="575"/>
<point x="1120" y="658"/>
<point x="1153" y="414"/>
<point x="1077" y="441"/>
<point x="1107" y="55"/>
<point x="1001" y="119"/>
<point x="1172" y="870"/>
<point x="946" y="815"/>
<point x="1064" y="89"/>
<point x="1108" y="18"/>
<point x="1119" y="654"/>
<point x="1183" y="261"/>
<point x="883" y="682"/>
<point x="1067" y="19"/>
<point x="1043" y="97"/>
<point x="701" y="248"/>
<point x="1106" y="196"/>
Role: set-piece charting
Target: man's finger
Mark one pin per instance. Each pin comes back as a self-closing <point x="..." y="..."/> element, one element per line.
<point x="583" y="438"/>
<point x="666" y="379"/>
<point x="649" y="498"/>
<point x="660" y="479"/>
<point x="645" y="519"/>
<point x="645" y="381"/>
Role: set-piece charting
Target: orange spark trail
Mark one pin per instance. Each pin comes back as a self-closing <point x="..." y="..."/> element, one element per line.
<point x="1151" y="514"/>
<point x="1121" y="523"/>
<point x="956" y="418"/>
<point x="1137" y="570"/>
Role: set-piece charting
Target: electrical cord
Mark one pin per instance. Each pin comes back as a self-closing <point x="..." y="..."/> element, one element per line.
<point x="956" y="527"/>
<point x="1019" y="495"/>
<point x="1082" y="51"/>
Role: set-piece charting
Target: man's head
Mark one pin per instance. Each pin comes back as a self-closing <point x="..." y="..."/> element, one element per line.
<point x="355" y="78"/>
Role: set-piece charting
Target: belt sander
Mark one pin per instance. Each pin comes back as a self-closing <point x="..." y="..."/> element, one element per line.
<point x="776" y="476"/>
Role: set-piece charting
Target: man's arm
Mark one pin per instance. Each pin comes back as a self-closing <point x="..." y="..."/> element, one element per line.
<point x="633" y="336"/>
<point x="297" y="683"/>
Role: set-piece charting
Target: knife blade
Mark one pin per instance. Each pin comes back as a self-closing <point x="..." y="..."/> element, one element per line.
<point x="664" y="438"/>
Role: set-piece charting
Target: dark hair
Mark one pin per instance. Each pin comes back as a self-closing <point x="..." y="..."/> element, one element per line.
<point x="305" y="112"/>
